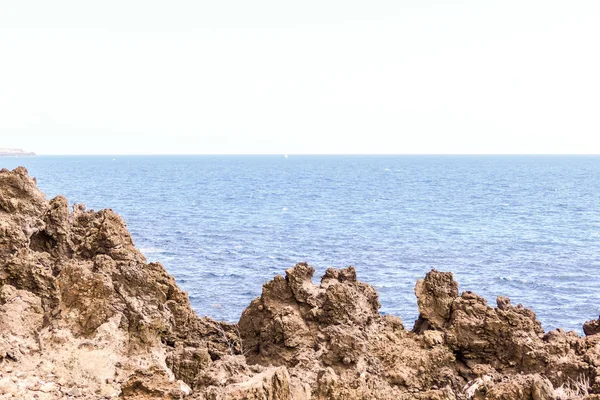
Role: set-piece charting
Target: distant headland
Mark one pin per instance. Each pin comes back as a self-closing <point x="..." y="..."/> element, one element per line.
<point x="5" y="152"/>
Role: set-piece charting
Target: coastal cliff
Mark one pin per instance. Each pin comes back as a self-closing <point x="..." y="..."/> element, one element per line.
<point x="6" y="152"/>
<point x="84" y="315"/>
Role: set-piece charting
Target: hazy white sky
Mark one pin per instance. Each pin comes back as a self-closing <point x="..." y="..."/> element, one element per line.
<point x="130" y="77"/>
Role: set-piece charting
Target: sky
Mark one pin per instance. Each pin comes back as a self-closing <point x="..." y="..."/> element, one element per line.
<point x="309" y="77"/>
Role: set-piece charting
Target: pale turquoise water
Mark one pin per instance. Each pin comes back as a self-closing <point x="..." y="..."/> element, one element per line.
<point x="522" y="226"/>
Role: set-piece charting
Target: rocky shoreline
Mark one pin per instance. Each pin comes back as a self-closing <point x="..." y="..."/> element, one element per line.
<point x="83" y="315"/>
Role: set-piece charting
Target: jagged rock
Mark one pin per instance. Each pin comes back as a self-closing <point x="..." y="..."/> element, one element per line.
<point x="335" y="329"/>
<point x="504" y="337"/>
<point x="77" y="293"/>
<point x="435" y="295"/>
<point x="532" y="387"/>
<point x="591" y="327"/>
<point x="21" y="319"/>
<point x="19" y="196"/>
<point x="272" y="384"/>
<point x="153" y="384"/>
<point x="292" y="315"/>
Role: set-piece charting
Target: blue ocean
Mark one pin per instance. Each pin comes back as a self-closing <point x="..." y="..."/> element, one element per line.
<point x="527" y="227"/>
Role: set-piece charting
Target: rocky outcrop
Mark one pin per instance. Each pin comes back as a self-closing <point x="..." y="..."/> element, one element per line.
<point x="79" y="298"/>
<point x="591" y="327"/>
<point x="435" y="295"/>
<point x="83" y="315"/>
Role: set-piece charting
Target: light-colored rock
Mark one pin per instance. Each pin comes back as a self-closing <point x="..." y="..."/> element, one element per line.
<point x="7" y="386"/>
<point x="272" y="384"/>
<point x="48" y="387"/>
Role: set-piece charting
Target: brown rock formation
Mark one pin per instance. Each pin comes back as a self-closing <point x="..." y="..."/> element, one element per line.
<point x="78" y="296"/>
<point x="435" y="295"/>
<point x="591" y="327"/>
<point x="83" y="315"/>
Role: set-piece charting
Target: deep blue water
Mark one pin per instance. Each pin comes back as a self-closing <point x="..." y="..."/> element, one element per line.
<point x="527" y="227"/>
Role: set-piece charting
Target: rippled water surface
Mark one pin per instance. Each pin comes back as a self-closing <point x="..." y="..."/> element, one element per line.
<point x="522" y="226"/>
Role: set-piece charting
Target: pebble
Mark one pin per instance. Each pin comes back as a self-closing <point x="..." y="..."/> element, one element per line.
<point x="49" y="387"/>
<point x="184" y="388"/>
<point x="74" y="391"/>
<point x="108" y="392"/>
<point x="7" y="386"/>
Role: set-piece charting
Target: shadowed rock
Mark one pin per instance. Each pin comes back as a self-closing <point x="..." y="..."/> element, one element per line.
<point x="591" y="327"/>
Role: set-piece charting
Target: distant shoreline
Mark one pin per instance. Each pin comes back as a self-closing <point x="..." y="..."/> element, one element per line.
<point x="4" y="152"/>
<point x="309" y="155"/>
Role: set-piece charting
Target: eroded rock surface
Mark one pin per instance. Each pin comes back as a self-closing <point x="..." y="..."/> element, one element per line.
<point x="83" y="315"/>
<point x="79" y="305"/>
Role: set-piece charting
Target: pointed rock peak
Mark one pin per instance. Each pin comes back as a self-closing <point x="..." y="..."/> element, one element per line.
<point x="435" y="294"/>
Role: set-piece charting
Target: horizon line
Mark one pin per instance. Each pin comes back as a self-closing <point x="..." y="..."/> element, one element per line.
<point x="300" y="154"/>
